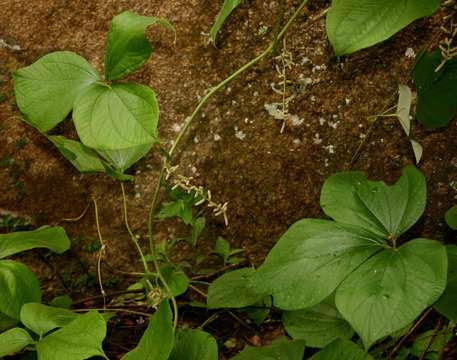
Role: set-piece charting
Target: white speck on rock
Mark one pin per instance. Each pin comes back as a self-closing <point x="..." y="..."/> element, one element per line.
<point x="330" y="149"/>
<point x="240" y="134"/>
<point x="273" y="110"/>
<point x="297" y="141"/>
<point x="317" y="140"/>
<point x="409" y="53"/>
<point x="176" y="127"/>
<point x="296" y="120"/>
<point x="321" y="121"/>
<point x="217" y="137"/>
<point x="305" y="60"/>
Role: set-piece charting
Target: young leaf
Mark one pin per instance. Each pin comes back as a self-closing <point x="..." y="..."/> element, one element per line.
<point x="176" y="279"/>
<point x="388" y="211"/>
<point x="226" y="10"/>
<point x="318" y="326"/>
<point x="80" y="339"/>
<point x="18" y="286"/>
<point x="62" y="302"/>
<point x="13" y="341"/>
<point x="446" y="304"/>
<point x="341" y="349"/>
<point x="405" y="99"/>
<point x="310" y="260"/>
<point x="116" y="117"/>
<point x="52" y="238"/>
<point x="157" y="341"/>
<point x="47" y="89"/>
<point x="451" y="217"/>
<point x="124" y="158"/>
<point x="392" y="288"/>
<point x="222" y="248"/>
<point x="356" y="24"/>
<point x="417" y="149"/>
<point x="232" y="290"/>
<point x="41" y="319"/>
<point x="127" y="48"/>
<point x="194" y="345"/>
<point x="197" y="228"/>
<point x="81" y="157"/>
<point x="436" y="100"/>
<point x="279" y="349"/>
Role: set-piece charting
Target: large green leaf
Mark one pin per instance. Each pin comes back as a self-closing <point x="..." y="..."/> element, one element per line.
<point x="436" y="99"/>
<point x="392" y="288"/>
<point x="41" y="319"/>
<point x="194" y="345"/>
<point x="226" y="10"/>
<point x="80" y="339"/>
<point x="447" y="304"/>
<point x="356" y="24"/>
<point x="281" y="349"/>
<point x="46" y="90"/>
<point x="127" y="47"/>
<point x="13" y="341"/>
<point x="116" y="117"/>
<point x="124" y="158"/>
<point x="310" y="261"/>
<point x="233" y="290"/>
<point x="318" y="326"/>
<point x="157" y="341"/>
<point x="341" y="349"/>
<point x="52" y="238"/>
<point x="388" y="211"/>
<point x="18" y="286"/>
<point x="82" y="158"/>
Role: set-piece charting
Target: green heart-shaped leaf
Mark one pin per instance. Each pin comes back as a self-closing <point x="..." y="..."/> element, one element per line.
<point x="124" y="158"/>
<point x="436" y="100"/>
<point x="46" y="90"/>
<point x="18" y="286"/>
<point x="157" y="341"/>
<point x="282" y="348"/>
<point x="387" y="211"/>
<point x="356" y="24"/>
<point x="310" y="261"/>
<point x="79" y="340"/>
<point x="117" y="117"/>
<point x="446" y="305"/>
<point x="82" y="158"/>
<point x="194" y="345"/>
<point x="233" y="290"/>
<point x="127" y="47"/>
<point x="52" y="238"/>
<point x="392" y="288"/>
<point x="13" y="341"/>
<point x="341" y="349"/>
<point x="41" y="319"/>
<point x="318" y="325"/>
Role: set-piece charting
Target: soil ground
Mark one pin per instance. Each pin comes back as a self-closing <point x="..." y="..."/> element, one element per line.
<point x="236" y="149"/>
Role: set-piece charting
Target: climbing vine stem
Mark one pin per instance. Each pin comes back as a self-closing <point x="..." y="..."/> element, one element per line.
<point x="188" y="122"/>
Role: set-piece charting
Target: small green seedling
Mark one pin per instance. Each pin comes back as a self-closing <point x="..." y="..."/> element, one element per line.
<point x="223" y="249"/>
